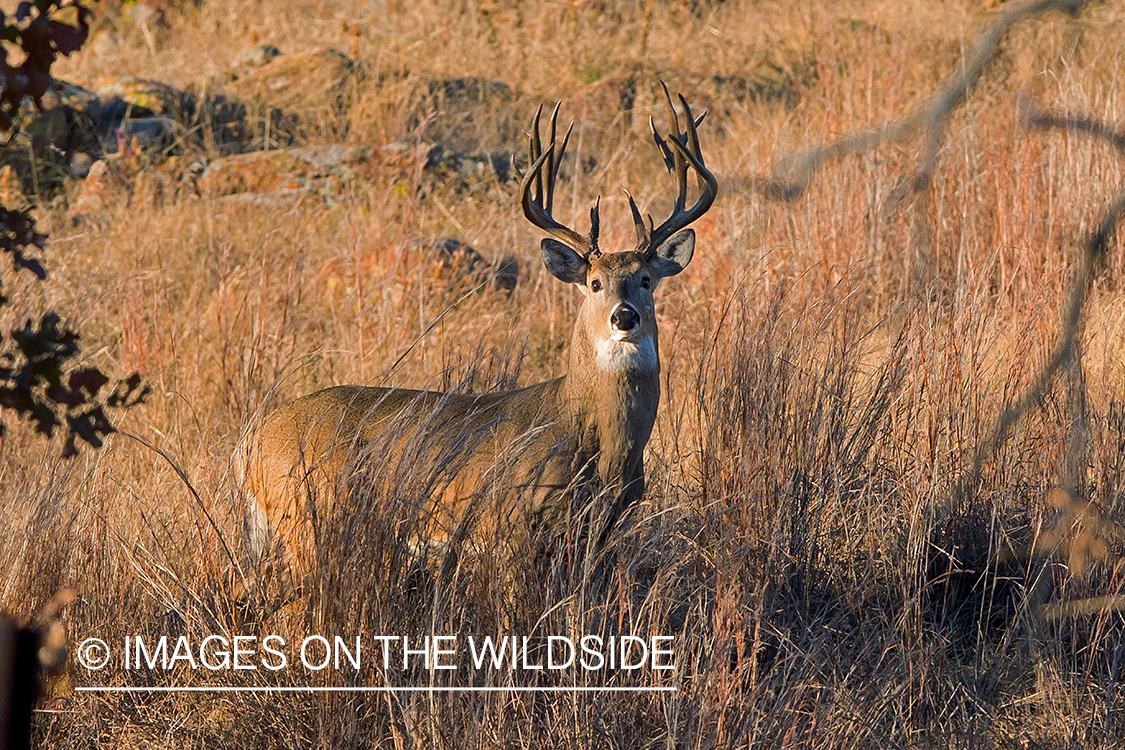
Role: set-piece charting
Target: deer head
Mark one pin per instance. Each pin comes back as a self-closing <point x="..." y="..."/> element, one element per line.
<point x="618" y="315"/>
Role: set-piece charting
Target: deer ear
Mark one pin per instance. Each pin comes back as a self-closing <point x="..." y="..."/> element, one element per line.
<point x="565" y="264"/>
<point x="671" y="257"/>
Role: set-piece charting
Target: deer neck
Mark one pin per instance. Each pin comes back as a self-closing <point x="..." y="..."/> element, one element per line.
<point x="612" y="390"/>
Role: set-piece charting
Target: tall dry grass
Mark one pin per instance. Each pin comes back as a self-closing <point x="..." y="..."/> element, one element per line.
<point x="830" y="367"/>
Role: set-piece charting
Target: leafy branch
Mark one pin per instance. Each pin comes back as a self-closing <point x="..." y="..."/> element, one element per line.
<point x="40" y="378"/>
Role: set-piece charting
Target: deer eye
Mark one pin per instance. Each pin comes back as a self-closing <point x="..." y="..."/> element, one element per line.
<point x="595" y="285"/>
<point x="646" y="282"/>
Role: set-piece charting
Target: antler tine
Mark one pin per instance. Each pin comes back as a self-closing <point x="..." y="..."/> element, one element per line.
<point x="550" y="166"/>
<point x="535" y="150"/>
<point x="685" y="151"/>
<point x="671" y="111"/>
<point x="554" y="162"/>
<point x="638" y="223"/>
<point x="669" y="158"/>
<point x="692" y="133"/>
<point x="595" y="225"/>
<point x="681" y="163"/>
<point x="693" y="142"/>
<point x="562" y="150"/>
<point x="537" y="207"/>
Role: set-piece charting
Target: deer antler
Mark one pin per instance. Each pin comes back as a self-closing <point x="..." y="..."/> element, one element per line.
<point x="537" y="208"/>
<point x="684" y="151"/>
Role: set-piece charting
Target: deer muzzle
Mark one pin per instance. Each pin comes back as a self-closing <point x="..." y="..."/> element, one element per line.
<point x="624" y="318"/>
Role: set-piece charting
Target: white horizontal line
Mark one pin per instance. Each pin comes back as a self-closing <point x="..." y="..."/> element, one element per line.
<point x="300" y="689"/>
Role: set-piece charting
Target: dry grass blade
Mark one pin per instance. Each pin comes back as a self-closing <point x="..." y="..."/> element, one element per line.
<point x="884" y="497"/>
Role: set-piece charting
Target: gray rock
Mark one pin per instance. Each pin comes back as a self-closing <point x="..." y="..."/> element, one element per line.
<point x="252" y="60"/>
<point x="148" y="134"/>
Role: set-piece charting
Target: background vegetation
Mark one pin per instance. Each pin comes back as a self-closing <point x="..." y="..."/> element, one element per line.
<point x="831" y="366"/>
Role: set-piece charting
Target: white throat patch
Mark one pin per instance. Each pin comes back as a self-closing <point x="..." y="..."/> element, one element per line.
<point x="618" y="356"/>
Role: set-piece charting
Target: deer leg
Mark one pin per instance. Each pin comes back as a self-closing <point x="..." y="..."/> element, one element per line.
<point x="628" y="487"/>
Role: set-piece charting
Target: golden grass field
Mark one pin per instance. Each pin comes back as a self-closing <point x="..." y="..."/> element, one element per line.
<point x="830" y="365"/>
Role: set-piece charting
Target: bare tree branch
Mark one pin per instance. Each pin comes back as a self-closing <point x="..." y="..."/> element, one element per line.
<point x="792" y="176"/>
<point x="1094" y="250"/>
<point x="1096" y="247"/>
<point x="1043" y="119"/>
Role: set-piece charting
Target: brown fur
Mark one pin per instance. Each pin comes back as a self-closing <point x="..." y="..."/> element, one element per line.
<point x="594" y="416"/>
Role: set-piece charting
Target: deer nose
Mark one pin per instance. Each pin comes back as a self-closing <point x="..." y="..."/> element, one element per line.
<point x="625" y="318"/>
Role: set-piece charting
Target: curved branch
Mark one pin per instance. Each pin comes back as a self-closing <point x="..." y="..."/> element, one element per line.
<point x="793" y="175"/>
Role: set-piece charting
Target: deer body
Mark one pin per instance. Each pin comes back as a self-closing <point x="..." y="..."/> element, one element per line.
<point x="590" y="425"/>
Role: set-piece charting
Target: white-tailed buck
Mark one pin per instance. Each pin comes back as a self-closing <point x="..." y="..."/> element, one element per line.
<point x="591" y="425"/>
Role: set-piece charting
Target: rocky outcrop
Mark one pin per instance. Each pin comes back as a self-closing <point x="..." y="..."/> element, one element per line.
<point x="467" y="115"/>
<point x="290" y="96"/>
<point x="460" y="266"/>
<point x="79" y="125"/>
<point x="287" y="174"/>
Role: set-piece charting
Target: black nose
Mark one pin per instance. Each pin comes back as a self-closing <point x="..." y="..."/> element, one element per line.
<point x="625" y="318"/>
